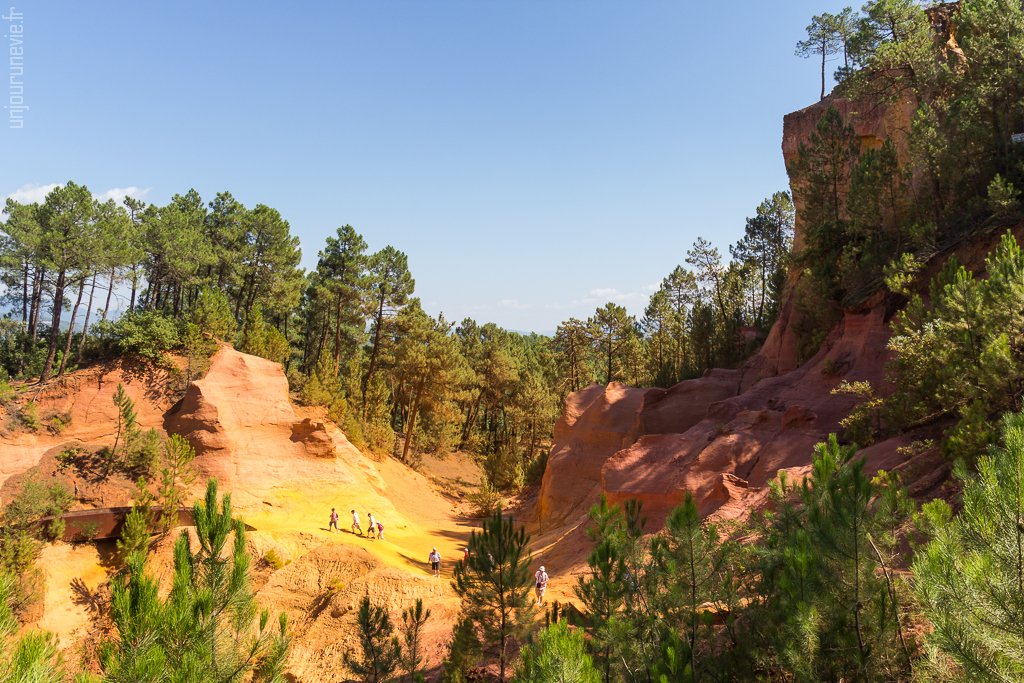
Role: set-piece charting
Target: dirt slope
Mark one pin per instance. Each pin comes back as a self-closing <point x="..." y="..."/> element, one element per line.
<point x="285" y="470"/>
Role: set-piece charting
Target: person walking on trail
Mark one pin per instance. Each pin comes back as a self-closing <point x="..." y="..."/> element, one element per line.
<point x="334" y="521"/>
<point x="380" y="531"/>
<point x="355" y="523"/>
<point x="542" y="585"/>
<point x="373" y="527"/>
<point x="435" y="563"/>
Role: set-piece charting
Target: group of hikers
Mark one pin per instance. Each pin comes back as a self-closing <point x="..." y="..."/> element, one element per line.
<point x="376" y="531"/>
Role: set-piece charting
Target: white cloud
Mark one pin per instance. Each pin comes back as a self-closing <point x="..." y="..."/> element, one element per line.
<point x="118" y="194"/>
<point x="34" y="193"/>
<point x="652" y="288"/>
<point x="513" y="303"/>
<point x="604" y="292"/>
<point x="31" y="193"/>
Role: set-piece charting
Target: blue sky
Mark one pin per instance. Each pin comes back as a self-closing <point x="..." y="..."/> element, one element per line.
<point x="533" y="159"/>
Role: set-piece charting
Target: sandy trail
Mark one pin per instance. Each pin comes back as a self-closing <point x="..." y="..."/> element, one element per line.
<point x="415" y="517"/>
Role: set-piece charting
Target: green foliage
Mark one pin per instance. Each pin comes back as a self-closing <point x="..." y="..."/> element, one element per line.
<point x="486" y="500"/>
<point x="30" y="416"/>
<point x="36" y="500"/>
<point x="536" y="468"/>
<point x="6" y="391"/>
<point x="462" y="652"/>
<point x="558" y="656"/>
<point x="147" y="335"/>
<point x="273" y="560"/>
<point x="176" y="476"/>
<point x="211" y="313"/>
<point x="970" y="577"/>
<point x="381" y="653"/>
<point x="494" y="583"/>
<point x="499" y="467"/>
<point x="413" y="620"/>
<point x="259" y="338"/>
<point x="828" y="601"/>
<point x="138" y="524"/>
<point x="209" y="624"/>
<point x="956" y="356"/>
<point x="146" y="452"/>
<point x="127" y="434"/>
<point x="32" y="657"/>
<point x="1002" y="196"/>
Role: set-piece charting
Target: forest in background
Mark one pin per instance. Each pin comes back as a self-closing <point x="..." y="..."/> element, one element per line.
<point x="350" y="334"/>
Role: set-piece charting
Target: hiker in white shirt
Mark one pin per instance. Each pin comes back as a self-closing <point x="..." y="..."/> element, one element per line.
<point x="355" y="523"/>
<point x="373" y="525"/>
<point x="435" y="563"/>
<point x="542" y="584"/>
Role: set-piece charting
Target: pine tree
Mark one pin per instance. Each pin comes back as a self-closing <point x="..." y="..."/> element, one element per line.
<point x="463" y="651"/>
<point x="558" y="656"/>
<point x="610" y="328"/>
<point x="971" y="577"/>
<point x="176" y="477"/>
<point x="413" y="620"/>
<point x="495" y="586"/>
<point x="137" y="525"/>
<point x="603" y="590"/>
<point x="213" y="622"/>
<point x="33" y="656"/>
<point x="822" y="39"/>
<point x="128" y="432"/>
<point x="209" y="628"/>
<point x="381" y="652"/>
<point x="690" y="558"/>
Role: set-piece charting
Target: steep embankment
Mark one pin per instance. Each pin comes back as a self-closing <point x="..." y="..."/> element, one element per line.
<point x="725" y="436"/>
<point x="285" y="470"/>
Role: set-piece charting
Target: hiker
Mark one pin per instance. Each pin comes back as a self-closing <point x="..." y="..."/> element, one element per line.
<point x="465" y="558"/>
<point x="542" y="584"/>
<point x="373" y="526"/>
<point x="334" y="521"/>
<point x="435" y="563"/>
<point x="380" y="531"/>
<point x="355" y="523"/>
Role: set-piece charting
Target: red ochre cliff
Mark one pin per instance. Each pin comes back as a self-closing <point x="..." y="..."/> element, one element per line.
<point x="725" y="436"/>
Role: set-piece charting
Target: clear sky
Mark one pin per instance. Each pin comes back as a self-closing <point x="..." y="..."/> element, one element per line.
<point x="534" y="159"/>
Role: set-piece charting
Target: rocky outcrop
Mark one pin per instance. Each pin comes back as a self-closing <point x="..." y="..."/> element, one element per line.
<point x="245" y="432"/>
<point x="591" y="430"/>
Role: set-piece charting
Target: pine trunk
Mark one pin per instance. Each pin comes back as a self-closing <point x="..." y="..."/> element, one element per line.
<point x="85" y="325"/>
<point x="58" y="305"/>
<point x="71" y="328"/>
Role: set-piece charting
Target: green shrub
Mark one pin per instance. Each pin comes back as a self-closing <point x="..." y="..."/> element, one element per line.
<point x="211" y="313"/>
<point x="273" y="560"/>
<point x="147" y="335"/>
<point x="485" y="501"/>
<point x="535" y="469"/>
<point x="37" y="500"/>
<point x="60" y="422"/>
<point x="66" y="457"/>
<point x="55" y="529"/>
<point x="499" y="467"/>
<point x="1002" y="196"/>
<point x="144" y="453"/>
<point x="6" y="390"/>
<point x="30" y="416"/>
